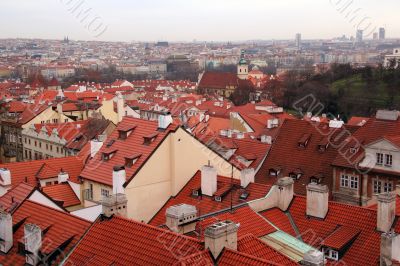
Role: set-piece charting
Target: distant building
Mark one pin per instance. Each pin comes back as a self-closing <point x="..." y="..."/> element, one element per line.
<point x="375" y="36"/>
<point x="298" y="40"/>
<point x="393" y="59"/>
<point x="359" y="36"/>
<point x="382" y="33"/>
<point x="162" y="44"/>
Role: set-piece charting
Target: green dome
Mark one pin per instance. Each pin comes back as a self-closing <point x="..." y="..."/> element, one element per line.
<point x="242" y="62"/>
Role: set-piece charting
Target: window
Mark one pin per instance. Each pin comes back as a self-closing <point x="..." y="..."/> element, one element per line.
<point x="344" y="181"/>
<point x="382" y="186"/>
<point x="105" y="192"/>
<point x="388" y="160"/>
<point x="354" y="182"/>
<point x="331" y="254"/>
<point x="379" y="158"/>
<point x="377" y="187"/>
<point x="388" y="187"/>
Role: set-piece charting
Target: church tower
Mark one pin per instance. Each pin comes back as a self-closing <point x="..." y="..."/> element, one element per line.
<point x="243" y="67"/>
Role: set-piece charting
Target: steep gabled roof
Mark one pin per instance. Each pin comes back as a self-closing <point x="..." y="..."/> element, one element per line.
<point x="61" y="231"/>
<point x="121" y="241"/>
<point x="15" y="196"/>
<point x="62" y="193"/>
<point x="100" y="171"/>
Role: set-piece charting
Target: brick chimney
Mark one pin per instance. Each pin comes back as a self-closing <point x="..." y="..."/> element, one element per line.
<point x="181" y="218"/>
<point x="390" y="248"/>
<point x="119" y="179"/>
<point x="33" y="243"/>
<point x="284" y="192"/>
<point x="317" y="200"/>
<point x="208" y="180"/>
<point x="313" y="258"/>
<point x="246" y="177"/>
<point x="6" y="232"/>
<point x="386" y="211"/>
<point x="62" y="177"/>
<point x="219" y="236"/>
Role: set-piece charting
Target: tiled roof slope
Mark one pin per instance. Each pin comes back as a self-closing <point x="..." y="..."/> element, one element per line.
<point x="59" y="228"/>
<point x="30" y="172"/>
<point x="62" y="192"/>
<point x="286" y="155"/>
<point x="231" y="257"/>
<point x="251" y="245"/>
<point x="206" y="204"/>
<point x="15" y="196"/>
<point x="101" y="171"/>
<point x="121" y="241"/>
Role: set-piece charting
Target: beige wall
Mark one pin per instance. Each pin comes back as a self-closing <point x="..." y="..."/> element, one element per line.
<point x="47" y="115"/>
<point x="167" y="171"/>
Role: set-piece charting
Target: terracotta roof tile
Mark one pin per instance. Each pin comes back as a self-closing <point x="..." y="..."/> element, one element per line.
<point x="62" y="192"/>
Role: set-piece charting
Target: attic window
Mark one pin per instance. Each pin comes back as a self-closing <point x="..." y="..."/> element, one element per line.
<point x="149" y="138"/>
<point x="316" y="179"/>
<point x="274" y="171"/>
<point x="110" y="143"/>
<point x="108" y="154"/>
<point x="131" y="160"/>
<point x="196" y="192"/>
<point x="304" y="140"/>
<point x="125" y="131"/>
<point x="323" y="144"/>
<point x="218" y="198"/>
<point x="331" y="254"/>
<point x="245" y="194"/>
<point x="296" y="174"/>
<point x="78" y="138"/>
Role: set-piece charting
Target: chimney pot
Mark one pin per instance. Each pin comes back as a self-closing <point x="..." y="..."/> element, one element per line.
<point x="119" y="179"/>
<point x="285" y="192"/>
<point x="179" y="218"/>
<point x="386" y="211"/>
<point x="219" y="236"/>
<point x="164" y="120"/>
<point x="246" y="177"/>
<point x="33" y="243"/>
<point x="390" y="248"/>
<point x="6" y="232"/>
<point x="317" y="200"/>
<point x="208" y="180"/>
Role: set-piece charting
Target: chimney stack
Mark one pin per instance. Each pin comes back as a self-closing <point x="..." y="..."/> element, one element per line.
<point x="208" y="180"/>
<point x="180" y="218"/>
<point x="6" y="176"/>
<point x="6" y="232"/>
<point x="390" y="248"/>
<point x="246" y="177"/>
<point x="285" y="192"/>
<point x="120" y="106"/>
<point x="386" y="211"/>
<point x="313" y="258"/>
<point x="164" y="120"/>
<point x="317" y="200"/>
<point x="33" y="243"/>
<point x="62" y="177"/>
<point x="219" y="236"/>
<point x="119" y="179"/>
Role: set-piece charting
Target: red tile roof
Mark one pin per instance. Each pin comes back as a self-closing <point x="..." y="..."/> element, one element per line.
<point x="250" y="222"/>
<point x="357" y="121"/>
<point x="251" y="245"/>
<point x="62" y="193"/>
<point x="279" y="219"/>
<point x="286" y="154"/>
<point x="31" y="172"/>
<point x="340" y="237"/>
<point x="230" y="257"/>
<point x="202" y="258"/>
<point x="101" y="171"/>
<point x="218" y="80"/>
<point x="126" y="242"/>
<point x="61" y="231"/>
<point x="206" y="204"/>
<point x="15" y="196"/>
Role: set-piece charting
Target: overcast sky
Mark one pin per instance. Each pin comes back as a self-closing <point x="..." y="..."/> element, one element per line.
<point x="186" y="20"/>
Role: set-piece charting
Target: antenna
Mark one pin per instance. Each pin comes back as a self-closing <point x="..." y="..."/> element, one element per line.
<point x="232" y="188"/>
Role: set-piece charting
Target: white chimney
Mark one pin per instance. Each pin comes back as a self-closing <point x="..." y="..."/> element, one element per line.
<point x="33" y="243"/>
<point x="313" y="258"/>
<point x="208" y="180"/>
<point x="285" y="192"/>
<point x="317" y="200"/>
<point x="120" y="106"/>
<point x="164" y="120"/>
<point x="6" y="232"/>
<point x="95" y="146"/>
<point x="180" y="218"/>
<point x="119" y="179"/>
<point x="266" y="139"/>
<point x="386" y="212"/>
<point x="5" y="176"/>
<point x="246" y="177"/>
<point x="390" y="248"/>
<point x="62" y="177"/>
<point x="219" y="236"/>
<point x="59" y="108"/>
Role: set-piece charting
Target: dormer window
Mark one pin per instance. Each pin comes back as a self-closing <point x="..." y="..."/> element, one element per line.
<point x="108" y="154"/>
<point x="388" y="160"/>
<point x="379" y="158"/>
<point x="316" y="179"/>
<point x="149" y="138"/>
<point x="125" y="131"/>
<point x="296" y="174"/>
<point x="274" y="171"/>
<point x="131" y="160"/>
<point x="323" y="144"/>
<point x="331" y="254"/>
<point x="304" y="140"/>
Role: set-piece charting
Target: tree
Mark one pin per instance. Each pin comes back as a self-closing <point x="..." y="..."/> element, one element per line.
<point x="241" y="95"/>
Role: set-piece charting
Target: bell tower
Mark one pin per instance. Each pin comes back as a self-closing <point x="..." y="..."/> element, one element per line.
<point x="243" y="67"/>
